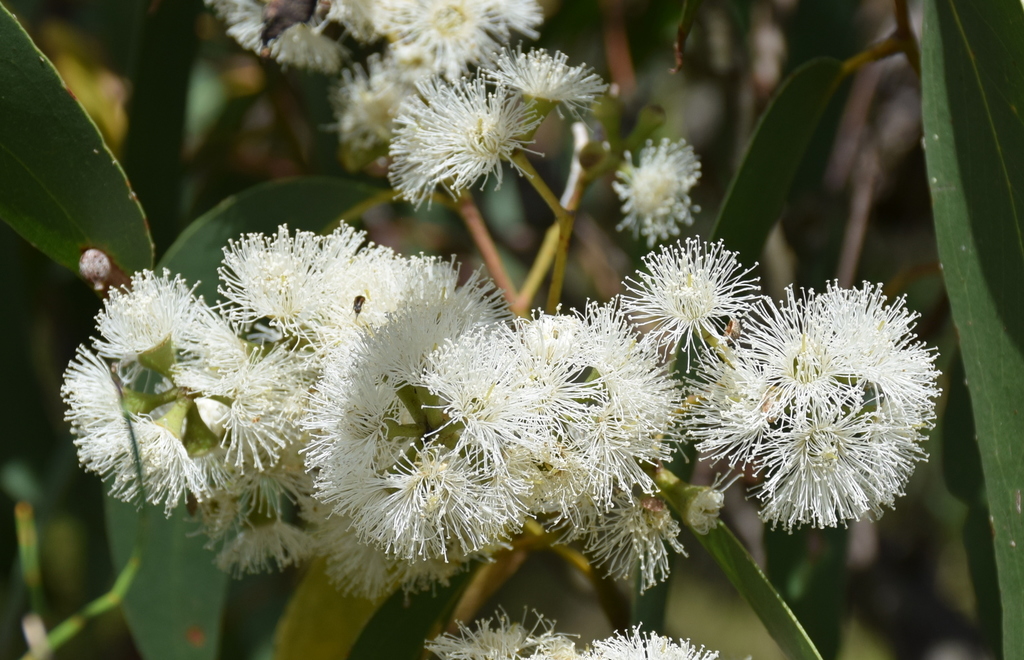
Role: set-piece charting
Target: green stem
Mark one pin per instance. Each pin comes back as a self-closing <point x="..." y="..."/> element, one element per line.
<point x="519" y="158"/>
<point x="538" y="271"/>
<point x="565" y="220"/>
<point x="396" y="430"/>
<point x="74" y="624"/>
<point x="877" y="52"/>
<point x="108" y="601"/>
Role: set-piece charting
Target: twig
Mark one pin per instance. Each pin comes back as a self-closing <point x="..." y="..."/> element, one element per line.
<point x="485" y="244"/>
<point x="905" y="32"/>
<point x="879" y="51"/>
<point x="564" y="218"/>
<point x="538" y="271"/>
<point x="113" y="598"/>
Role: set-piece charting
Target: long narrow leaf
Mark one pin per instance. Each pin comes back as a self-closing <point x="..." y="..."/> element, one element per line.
<point x="754" y="586"/>
<point x="744" y="573"/>
<point x="760" y="187"/>
<point x="175" y="604"/>
<point x="973" y="94"/>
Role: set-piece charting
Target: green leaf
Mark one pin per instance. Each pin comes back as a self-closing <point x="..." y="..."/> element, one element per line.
<point x="961" y="467"/>
<point x="174" y="605"/>
<point x="320" y="623"/>
<point x="399" y="628"/>
<point x="973" y="93"/>
<point x="809" y="566"/>
<point x="753" y="585"/>
<point x="759" y="189"/>
<point x="62" y="189"/>
<point x="744" y="573"/>
<point x="309" y="203"/>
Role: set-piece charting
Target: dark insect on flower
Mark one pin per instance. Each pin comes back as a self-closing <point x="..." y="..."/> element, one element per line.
<point x="279" y="15"/>
<point x="357" y="304"/>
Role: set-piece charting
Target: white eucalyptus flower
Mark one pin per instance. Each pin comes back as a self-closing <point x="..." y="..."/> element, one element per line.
<point x="843" y="462"/>
<point x="264" y="547"/>
<point x="384" y="456"/>
<point x="729" y="416"/>
<point x="360" y="18"/>
<point x="540" y="75"/>
<point x="302" y="44"/>
<point x="455" y="134"/>
<point x="366" y="102"/>
<point x="638" y="646"/>
<point x="636" y="533"/>
<point x="690" y="294"/>
<point x="502" y="639"/>
<point x="121" y="446"/>
<point x="828" y="395"/>
<point x="634" y="403"/>
<point x="156" y="309"/>
<point x="457" y="33"/>
<point x="655" y="194"/>
<point x="284" y="278"/>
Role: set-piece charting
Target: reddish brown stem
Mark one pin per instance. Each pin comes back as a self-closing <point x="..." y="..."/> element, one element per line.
<point x="488" y="251"/>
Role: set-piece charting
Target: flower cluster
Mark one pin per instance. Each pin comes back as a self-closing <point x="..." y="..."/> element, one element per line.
<point x="829" y="395"/>
<point x="346" y="402"/>
<point x="438" y="436"/>
<point x="826" y="394"/>
<point x="655" y="194"/>
<point x="440" y="36"/>
<point x="448" y="102"/>
<point x="501" y="639"/>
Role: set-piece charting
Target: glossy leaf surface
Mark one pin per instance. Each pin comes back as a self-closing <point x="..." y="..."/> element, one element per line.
<point x="175" y="604"/>
<point x="973" y="94"/>
<point x="60" y="187"/>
